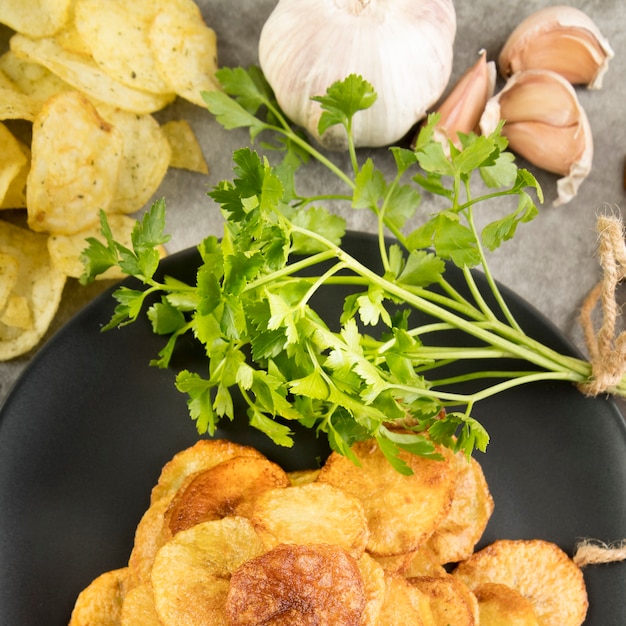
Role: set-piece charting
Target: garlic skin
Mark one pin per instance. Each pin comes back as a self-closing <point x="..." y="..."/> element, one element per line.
<point x="404" y="48"/>
<point x="546" y="125"/>
<point x="560" y="38"/>
<point x="462" y="109"/>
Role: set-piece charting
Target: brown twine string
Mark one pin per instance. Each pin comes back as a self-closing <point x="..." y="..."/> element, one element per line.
<point x="607" y="352"/>
<point x="597" y="553"/>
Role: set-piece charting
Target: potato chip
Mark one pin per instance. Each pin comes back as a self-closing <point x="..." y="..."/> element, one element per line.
<point x="449" y="600"/>
<point x="17" y="106"/>
<point x="191" y="573"/>
<point x="83" y="74"/>
<point x="500" y="605"/>
<point x="100" y="603"/>
<point x="9" y="267"/>
<point x="302" y="477"/>
<point x="185" y="49"/>
<point x="12" y="159"/>
<point x="138" y="607"/>
<point x="472" y="506"/>
<point x="15" y="195"/>
<point x="117" y="34"/>
<point x="229" y="488"/>
<point x="373" y="577"/>
<point x="76" y="158"/>
<point x="204" y="454"/>
<point x="309" y="514"/>
<point x="537" y="569"/>
<point x="403" y="604"/>
<point x="317" y="585"/>
<point x="146" y="157"/>
<point x="65" y="250"/>
<point x="38" y="284"/>
<point x="186" y="152"/>
<point x="37" y="18"/>
<point x="410" y="505"/>
<point x="420" y="563"/>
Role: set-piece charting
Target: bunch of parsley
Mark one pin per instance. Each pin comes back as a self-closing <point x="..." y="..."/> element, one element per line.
<point x="251" y="304"/>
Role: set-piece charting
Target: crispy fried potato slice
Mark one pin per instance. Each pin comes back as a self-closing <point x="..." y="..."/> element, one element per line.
<point x="302" y="477"/>
<point x="12" y="159"/>
<point x="37" y="18"/>
<point x="373" y="577"/>
<point x="146" y="157"/>
<point x="185" y="49"/>
<point x="472" y="505"/>
<point x="402" y="511"/>
<point x="117" y="35"/>
<point x="83" y="74"/>
<point x="100" y="603"/>
<point x="191" y="573"/>
<point x="228" y="488"/>
<point x="403" y="604"/>
<point x="9" y="267"/>
<point x="316" y="585"/>
<point x="15" y="194"/>
<point x="500" y="605"/>
<point x="539" y="570"/>
<point x="420" y="563"/>
<point x="15" y="105"/>
<point x="138" y="607"/>
<point x="76" y="159"/>
<point x="450" y="601"/>
<point x="311" y="514"/>
<point x="38" y="284"/>
<point x="186" y="152"/>
<point x="202" y="455"/>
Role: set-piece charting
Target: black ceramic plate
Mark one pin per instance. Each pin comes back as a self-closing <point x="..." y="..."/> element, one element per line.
<point x="88" y="426"/>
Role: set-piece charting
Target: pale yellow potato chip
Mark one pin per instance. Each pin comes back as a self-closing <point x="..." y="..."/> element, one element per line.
<point x="500" y="605"/>
<point x="8" y="277"/>
<point x="185" y="49"/>
<point x="37" y="281"/>
<point x="17" y="106"/>
<point x="17" y="313"/>
<point x="32" y="79"/>
<point x="186" y="151"/>
<point x="36" y="18"/>
<point x="146" y="157"/>
<point x="65" y="250"/>
<point x="403" y="604"/>
<point x="76" y="159"/>
<point x="100" y="603"/>
<point x="302" y="477"/>
<point x="138" y="607"/>
<point x="373" y="577"/>
<point x="15" y="195"/>
<point x="117" y="34"/>
<point x="12" y="160"/>
<point x="83" y="74"/>
<point x="191" y="573"/>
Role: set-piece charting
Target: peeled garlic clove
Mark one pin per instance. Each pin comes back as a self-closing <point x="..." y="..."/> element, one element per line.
<point x="546" y="125"/>
<point x="403" y="48"/>
<point x="463" y="107"/>
<point x="562" y="39"/>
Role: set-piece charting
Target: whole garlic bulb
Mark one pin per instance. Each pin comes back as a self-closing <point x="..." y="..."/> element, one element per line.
<point x="404" y="48"/>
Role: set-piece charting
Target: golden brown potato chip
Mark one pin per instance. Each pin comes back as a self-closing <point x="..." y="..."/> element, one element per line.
<point x="316" y="585"/>
<point x="186" y="152"/>
<point x="420" y="563"/>
<point x="500" y="605"/>
<point x="539" y="570"/>
<point x="228" y="488"/>
<point x="15" y="195"/>
<point x="146" y="157"/>
<point x="310" y="514"/>
<point x="76" y="159"/>
<point x="100" y="603"/>
<point x="116" y="33"/>
<point x="12" y="160"/>
<point x="37" y="18"/>
<point x="472" y="506"/>
<point x="185" y="49"/>
<point x="84" y="75"/>
<point x="38" y="283"/>
<point x="204" y="454"/>
<point x="373" y="577"/>
<point x="402" y="511"/>
<point x="450" y="601"/>
<point x="191" y="573"/>
<point x="403" y="604"/>
<point x="138" y="608"/>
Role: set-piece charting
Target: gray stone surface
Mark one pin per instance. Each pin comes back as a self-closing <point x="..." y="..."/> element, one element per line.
<point x="551" y="263"/>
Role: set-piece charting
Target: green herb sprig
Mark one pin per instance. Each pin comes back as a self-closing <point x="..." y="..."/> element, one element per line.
<point x="251" y="309"/>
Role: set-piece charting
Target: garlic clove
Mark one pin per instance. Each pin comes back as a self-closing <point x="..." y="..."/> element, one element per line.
<point x="462" y="108"/>
<point x="563" y="39"/>
<point x="546" y="125"/>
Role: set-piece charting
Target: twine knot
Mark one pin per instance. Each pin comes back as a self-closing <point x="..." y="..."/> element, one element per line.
<point x="607" y="351"/>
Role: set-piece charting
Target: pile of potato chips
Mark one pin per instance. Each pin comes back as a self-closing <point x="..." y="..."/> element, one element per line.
<point x="231" y="539"/>
<point x="78" y="87"/>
